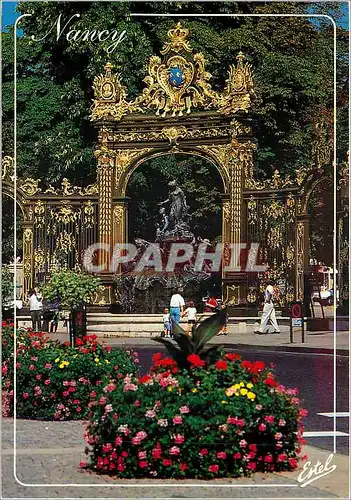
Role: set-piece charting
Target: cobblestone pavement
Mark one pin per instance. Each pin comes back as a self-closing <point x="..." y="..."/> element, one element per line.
<point x="49" y="453"/>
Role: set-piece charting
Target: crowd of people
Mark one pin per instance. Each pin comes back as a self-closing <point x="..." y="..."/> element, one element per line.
<point x="178" y="309"/>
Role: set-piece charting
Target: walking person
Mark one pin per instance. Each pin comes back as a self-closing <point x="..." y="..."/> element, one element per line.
<point x="177" y="307"/>
<point x="35" y="307"/>
<point x="191" y="312"/>
<point x="268" y="313"/>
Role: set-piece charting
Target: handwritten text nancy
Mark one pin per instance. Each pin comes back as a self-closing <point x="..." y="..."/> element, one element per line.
<point x="77" y="34"/>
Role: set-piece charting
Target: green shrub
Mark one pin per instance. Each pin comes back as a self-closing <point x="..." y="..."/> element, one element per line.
<point x="222" y="420"/>
<point x="56" y="381"/>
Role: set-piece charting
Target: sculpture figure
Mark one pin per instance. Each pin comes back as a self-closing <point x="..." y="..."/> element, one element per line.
<point x="178" y="214"/>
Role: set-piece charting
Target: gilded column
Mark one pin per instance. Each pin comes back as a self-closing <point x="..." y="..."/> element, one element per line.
<point x="28" y="260"/>
<point x="105" y="182"/>
<point x="302" y="254"/>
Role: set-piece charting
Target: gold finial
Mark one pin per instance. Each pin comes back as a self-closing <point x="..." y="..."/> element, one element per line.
<point x="108" y="68"/>
<point x="178" y="41"/>
<point x="240" y="58"/>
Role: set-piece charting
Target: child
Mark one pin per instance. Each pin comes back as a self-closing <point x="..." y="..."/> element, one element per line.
<point x="166" y="323"/>
<point x="191" y="313"/>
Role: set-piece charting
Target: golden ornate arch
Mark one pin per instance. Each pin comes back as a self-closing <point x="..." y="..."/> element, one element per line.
<point x="178" y="112"/>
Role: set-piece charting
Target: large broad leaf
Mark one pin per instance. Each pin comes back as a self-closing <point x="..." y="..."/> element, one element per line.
<point x="208" y="328"/>
<point x="177" y="329"/>
<point x="185" y="343"/>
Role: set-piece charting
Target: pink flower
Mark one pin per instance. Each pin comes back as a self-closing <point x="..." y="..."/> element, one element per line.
<point x="282" y="457"/>
<point x="25" y="395"/>
<point x="269" y="419"/>
<point x="34" y="358"/>
<point x="142" y="455"/>
<point x="268" y="458"/>
<point x="258" y="407"/>
<point x="71" y="389"/>
<point x="108" y="408"/>
<point x="118" y="441"/>
<point x="179" y="439"/>
<point x="150" y="414"/>
<point x="183" y="467"/>
<point x="177" y="419"/>
<point x="251" y="465"/>
<point x="278" y="435"/>
<point x="262" y="427"/>
<point x="281" y="422"/>
<point x="166" y="462"/>
<point x="32" y="367"/>
<point x="38" y="376"/>
<point x="141" y="434"/>
<point x="221" y="454"/>
<point x="213" y="468"/>
<point x="76" y="402"/>
<point x="136" y="440"/>
<point x="237" y="456"/>
<point x="121" y="467"/>
<point x="106" y="447"/>
<point x="102" y="400"/>
<point x="47" y="382"/>
<point x="143" y="464"/>
<point x="82" y="464"/>
<point x="65" y="394"/>
<point x="293" y="463"/>
<point x="203" y="451"/>
<point x="184" y="409"/>
<point x="48" y="366"/>
<point x="174" y="450"/>
<point x="303" y="412"/>
<point x="243" y="443"/>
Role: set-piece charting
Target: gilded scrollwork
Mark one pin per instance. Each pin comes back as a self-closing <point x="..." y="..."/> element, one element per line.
<point x="88" y="214"/>
<point x="39" y="259"/>
<point x="252" y="210"/>
<point x="66" y="213"/>
<point x="238" y="92"/>
<point x="39" y="214"/>
<point x="174" y="133"/>
<point x="8" y="169"/>
<point x="29" y="186"/>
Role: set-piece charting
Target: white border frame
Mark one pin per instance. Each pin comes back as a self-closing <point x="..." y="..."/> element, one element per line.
<point x="334" y="240"/>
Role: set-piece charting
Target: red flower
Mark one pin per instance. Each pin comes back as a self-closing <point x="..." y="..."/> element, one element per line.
<point x="145" y="379"/>
<point x="221" y="365"/>
<point x="270" y="381"/>
<point x="79" y="342"/>
<point x="268" y="459"/>
<point x="213" y="468"/>
<point x="143" y="464"/>
<point x="246" y="364"/>
<point x="157" y="356"/>
<point x="293" y="463"/>
<point x="166" y="462"/>
<point x="82" y="464"/>
<point x="257" y="367"/>
<point x="232" y="356"/>
<point x="221" y="454"/>
<point x="195" y="360"/>
<point x="156" y="453"/>
<point x="237" y="456"/>
<point x="183" y="467"/>
<point x="253" y="447"/>
<point x="203" y="451"/>
<point x="303" y="412"/>
<point x="251" y="465"/>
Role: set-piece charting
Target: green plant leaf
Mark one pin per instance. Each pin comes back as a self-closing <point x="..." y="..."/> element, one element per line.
<point x="208" y="329"/>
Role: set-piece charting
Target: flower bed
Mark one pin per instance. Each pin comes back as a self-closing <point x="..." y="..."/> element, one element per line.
<point x="57" y="381"/>
<point x="222" y="420"/>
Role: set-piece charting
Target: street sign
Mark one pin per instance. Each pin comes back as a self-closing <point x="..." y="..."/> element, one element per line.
<point x="296" y="321"/>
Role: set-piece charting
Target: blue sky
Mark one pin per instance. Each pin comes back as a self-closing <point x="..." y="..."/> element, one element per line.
<point x="9" y="15"/>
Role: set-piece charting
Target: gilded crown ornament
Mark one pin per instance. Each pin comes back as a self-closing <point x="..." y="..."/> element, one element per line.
<point x="175" y="84"/>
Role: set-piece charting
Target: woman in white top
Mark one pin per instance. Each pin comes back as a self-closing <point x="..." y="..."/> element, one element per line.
<point x="190" y="311"/>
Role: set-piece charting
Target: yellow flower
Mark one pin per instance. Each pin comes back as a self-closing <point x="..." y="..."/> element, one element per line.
<point x="229" y="392"/>
<point x="243" y="392"/>
<point x="75" y="356"/>
<point x="170" y="389"/>
<point x="57" y="360"/>
<point x="97" y="360"/>
<point x="242" y="384"/>
<point x="237" y="394"/>
<point x="251" y="395"/>
<point x="224" y="402"/>
<point x="66" y="363"/>
<point x="107" y="361"/>
<point x="194" y="390"/>
<point x="249" y="385"/>
<point x="61" y="365"/>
